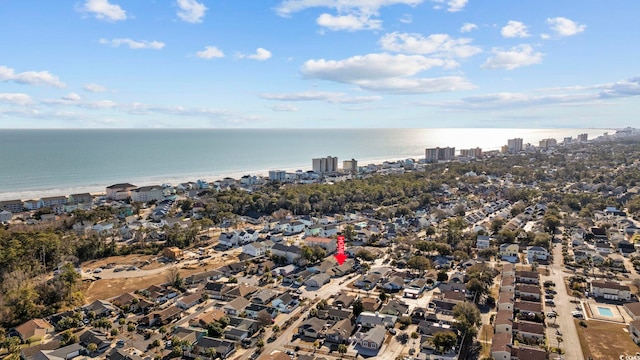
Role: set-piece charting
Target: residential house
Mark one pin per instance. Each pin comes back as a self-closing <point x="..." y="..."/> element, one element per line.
<point x="162" y="317"/>
<point x="501" y="346"/>
<point x="53" y="201"/>
<point x="64" y="353"/>
<point x="198" y="278"/>
<point x="372" y="341"/>
<point x="344" y="300"/>
<point x="100" y="308"/>
<point x="503" y="322"/>
<point x="312" y="328"/>
<point x="527" y="277"/>
<point x="236" y="306"/>
<point x="634" y="331"/>
<point x="264" y="297"/>
<point x="33" y="330"/>
<point x="254" y="309"/>
<point x="394" y="284"/>
<point x="32" y="204"/>
<point x="189" y="301"/>
<point x="228" y="239"/>
<point x="329" y="245"/>
<point x="368" y="281"/>
<point x="370" y="320"/>
<point x="173" y="253"/>
<point x="126" y="301"/>
<point x="529" y="330"/>
<point x="335" y="314"/>
<point x="524" y="352"/>
<point x="509" y="250"/>
<point x="318" y="280"/>
<point x="204" y="319"/>
<point x="395" y="307"/>
<point x="610" y="290"/>
<point x="285" y="303"/>
<point x="370" y="304"/>
<point x="505" y="300"/>
<point x="101" y="340"/>
<point x="633" y="309"/>
<point x="219" y="291"/>
<point x="528" y="292"/>
<point x="5" y="216"/>
<point x="294" y="227"/>
<point x="536" y="253"/>
<point x="508" y="270"/>
<point x="223" y="348"/>
<point x="340" y="332"/>
<point x="508" y="283"/>
<point x="529" y="309"/>
<point x="483" y="242"/>
<point x="415" y="288"/>
<point x="293" y="254"/>
<point x="84" y="198"/>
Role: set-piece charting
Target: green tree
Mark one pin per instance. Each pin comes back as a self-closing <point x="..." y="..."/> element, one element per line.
<point x="357" y="308"/>
<point x="91" y="348"/>
<point x="342" y="349"/>
<point x="445" y="340"/>
<point x="467" y="317"/>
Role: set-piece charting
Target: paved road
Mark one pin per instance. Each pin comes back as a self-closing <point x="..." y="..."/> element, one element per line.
<point x="563" y="306"/>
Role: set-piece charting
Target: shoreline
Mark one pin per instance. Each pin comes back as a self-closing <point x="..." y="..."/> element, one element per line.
<point x="98" y="189"/>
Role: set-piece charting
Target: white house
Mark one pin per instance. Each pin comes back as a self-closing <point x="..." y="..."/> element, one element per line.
<point x="5" y="216"/>
<point x="610" y="290"/>
<point x="295" y="227"/>
<point x="228" y="239"/>
<point x="483" y="242"/>
<point x="535" y="253"/>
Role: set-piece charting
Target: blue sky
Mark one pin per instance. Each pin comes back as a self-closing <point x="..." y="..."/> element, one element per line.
<point x="318" y="63"/>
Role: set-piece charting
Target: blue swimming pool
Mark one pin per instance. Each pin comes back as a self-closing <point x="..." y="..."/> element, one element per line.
<point x="605" y="311"/>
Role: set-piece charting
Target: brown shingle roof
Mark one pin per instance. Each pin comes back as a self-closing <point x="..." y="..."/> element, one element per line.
<point x="501" y="342"/>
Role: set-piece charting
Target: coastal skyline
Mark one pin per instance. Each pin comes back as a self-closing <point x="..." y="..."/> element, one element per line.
<point x="318" y="64"/>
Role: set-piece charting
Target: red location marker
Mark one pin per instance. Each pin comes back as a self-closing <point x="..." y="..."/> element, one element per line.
<point x="340" y="256"/>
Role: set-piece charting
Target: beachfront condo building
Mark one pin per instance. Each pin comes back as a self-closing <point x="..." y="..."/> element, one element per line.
<point x="325" y="165"/>
<point x="477" y="152"/>
<point x="583" y="137"/>
<point x="547" y="143"/>
<point x="277" y="175"/>
<point x="350" y="166"/>
<point x="514" y="145"/>
<point x="119" y="191"/>
<point x="440" y="154"/>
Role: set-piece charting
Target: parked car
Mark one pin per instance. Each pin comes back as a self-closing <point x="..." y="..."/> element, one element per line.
<point x="549" y="301"/>
<point x="548" y="296"/>
<point x="577" y="314"/>
<point x="549" y="283"/>
<point x="552" y="314"/>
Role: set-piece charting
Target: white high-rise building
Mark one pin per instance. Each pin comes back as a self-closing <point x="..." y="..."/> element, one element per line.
<point x="277" y="175"/>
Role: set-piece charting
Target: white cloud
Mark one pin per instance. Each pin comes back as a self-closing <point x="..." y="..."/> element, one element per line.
<point x="104" y="10"/>
<point x="283" y="107"/>
<point x="330" y="97"/>
<point x="288" y="7"/>
<point x="371" y="66"/>
<point x="515" y="29"/>
<point x="30" y="77"/>
<point x="351" y="14"/>
<point x="348" y="22"/>
<point x="210" y="52"/>
<point x="522" y="55"/>
<point x="452" y="5"/>
<point x="387" y="73"/>
<point x="406" y="19"/>
<point x="133" y="44"/>
<point x="545" y="36"/>
<point x="437" y="44"/>
<point x="15" y="99"/>
<point x="565" y="27"/>
<point x="417" y="86"/>
<point x="260" y="55"/>
<point x="564" y="96"/>
<point x="191" y="11"/>
<point x="95" y="88"/>
<point x="71" y="97"/>
<point x="468" y="27"/>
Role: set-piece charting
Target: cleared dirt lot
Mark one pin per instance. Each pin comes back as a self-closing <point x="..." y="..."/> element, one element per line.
<point x="154" y="273"/>
<point x="605" y="340"/>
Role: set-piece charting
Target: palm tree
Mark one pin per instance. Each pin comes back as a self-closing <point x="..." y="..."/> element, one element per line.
<point x="342" y="349"/>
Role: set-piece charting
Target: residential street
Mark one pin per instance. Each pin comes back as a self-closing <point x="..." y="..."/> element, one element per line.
<point x="563" y="306"/>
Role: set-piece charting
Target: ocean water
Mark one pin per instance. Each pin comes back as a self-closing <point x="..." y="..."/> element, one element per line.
<point x="36" y="163"/>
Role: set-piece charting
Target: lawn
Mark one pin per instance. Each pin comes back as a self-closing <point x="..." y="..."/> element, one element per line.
<point x="605" y="340"/>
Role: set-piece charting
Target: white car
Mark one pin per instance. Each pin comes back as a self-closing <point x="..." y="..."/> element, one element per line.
<point x="552" y="314"/>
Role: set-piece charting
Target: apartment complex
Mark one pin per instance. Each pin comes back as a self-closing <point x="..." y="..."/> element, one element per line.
<point x="438" y="154"/>
<point x="325" y="165"/>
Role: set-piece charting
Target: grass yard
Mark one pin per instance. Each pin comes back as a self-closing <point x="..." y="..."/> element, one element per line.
<point x="605" y="340"/>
